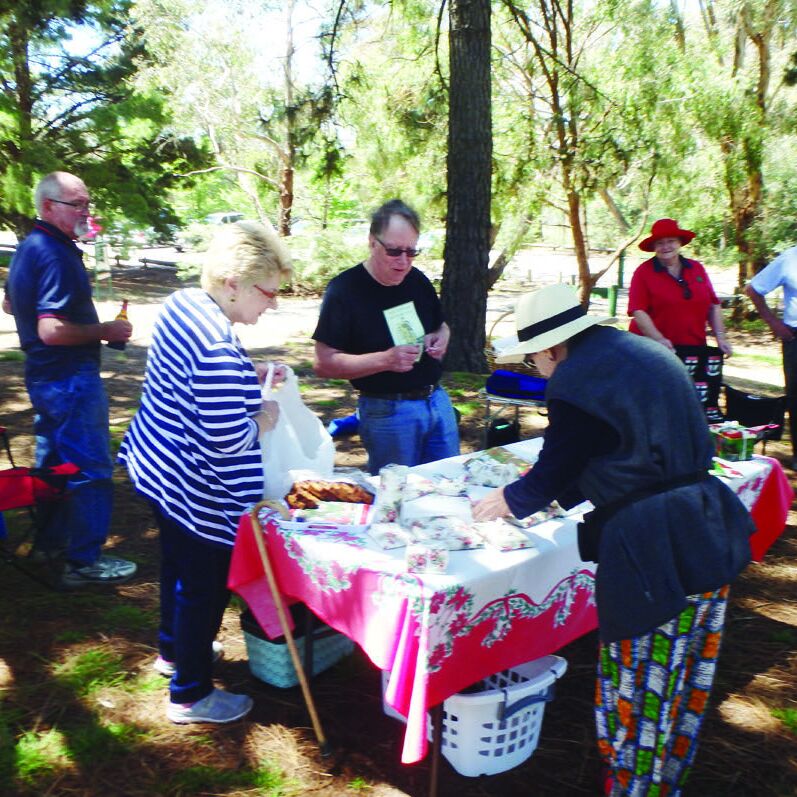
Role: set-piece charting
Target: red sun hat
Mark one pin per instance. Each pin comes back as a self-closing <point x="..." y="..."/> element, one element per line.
<point x="665" y="228"/>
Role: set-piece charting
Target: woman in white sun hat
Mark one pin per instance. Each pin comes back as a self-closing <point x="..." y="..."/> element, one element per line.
<point x="627" y="432"/>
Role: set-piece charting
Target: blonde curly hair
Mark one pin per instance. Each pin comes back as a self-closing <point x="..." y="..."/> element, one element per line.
<point x="247" y="251"/>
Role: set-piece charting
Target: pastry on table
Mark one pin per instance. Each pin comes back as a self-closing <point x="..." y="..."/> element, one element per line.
<point x="308" y="493"/>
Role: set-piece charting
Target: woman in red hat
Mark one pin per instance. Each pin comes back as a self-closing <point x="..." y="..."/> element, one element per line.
<point x="671" y="299"/>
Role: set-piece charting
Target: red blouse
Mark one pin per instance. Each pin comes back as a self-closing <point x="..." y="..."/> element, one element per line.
<point x="680" y="319"/>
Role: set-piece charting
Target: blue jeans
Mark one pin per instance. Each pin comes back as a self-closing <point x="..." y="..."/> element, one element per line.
<point x="71" y="425"/>
<point x="194" y="595"/>
<point x="408" y="432"/>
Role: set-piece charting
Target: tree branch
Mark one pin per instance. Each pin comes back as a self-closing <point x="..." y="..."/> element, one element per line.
<point x="229" y="167"/>
<point x="438" y="29"/>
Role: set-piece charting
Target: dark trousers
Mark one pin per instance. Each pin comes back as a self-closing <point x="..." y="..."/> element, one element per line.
<point x="704" y="364"/>
<point x="194" y="595"/>
<point x="790" y="378"/>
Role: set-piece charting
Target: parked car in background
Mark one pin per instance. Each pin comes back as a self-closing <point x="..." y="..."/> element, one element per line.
<point x="225" y="217"/>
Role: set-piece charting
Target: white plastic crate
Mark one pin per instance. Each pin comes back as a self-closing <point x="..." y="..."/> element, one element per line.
<point x="497" y="728"/>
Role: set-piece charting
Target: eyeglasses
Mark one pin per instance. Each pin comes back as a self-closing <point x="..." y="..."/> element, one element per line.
<point x="267" y="294"/>
<point x="77" y="205"/>
<point x="687" y="291"/>
<point x="395" y="251"/>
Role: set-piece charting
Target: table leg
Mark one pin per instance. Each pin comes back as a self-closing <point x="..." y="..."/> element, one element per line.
<point x="436" y="713"/>
<point x="487" y="419"/>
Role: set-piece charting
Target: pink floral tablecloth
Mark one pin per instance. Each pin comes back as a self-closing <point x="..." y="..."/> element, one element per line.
<point x="436" y="634"/>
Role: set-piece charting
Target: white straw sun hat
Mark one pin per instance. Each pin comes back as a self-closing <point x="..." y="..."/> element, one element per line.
<point x="544" y="318"/>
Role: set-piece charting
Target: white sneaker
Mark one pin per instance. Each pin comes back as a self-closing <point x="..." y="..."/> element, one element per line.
<point x="219" y="707"/>
<point x="166" y="668"/>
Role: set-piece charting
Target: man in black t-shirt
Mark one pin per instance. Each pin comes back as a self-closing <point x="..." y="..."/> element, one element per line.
<point x="381" y="327"/>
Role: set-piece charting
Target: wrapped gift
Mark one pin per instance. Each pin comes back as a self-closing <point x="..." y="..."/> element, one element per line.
<point x="434" y="506"/>
<point x="389" y="535"/>
<point x="392" y="481"/>
<point x="495" y="467"/>
<point x="500" y="535"/>
<point x="549" y="513"/>
<point x="453" y="532"/>
<point x="427" y="557"/>
<point x="732" y="441"/>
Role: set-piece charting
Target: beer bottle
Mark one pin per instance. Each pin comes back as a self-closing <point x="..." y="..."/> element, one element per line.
<point x="119" y="345"/>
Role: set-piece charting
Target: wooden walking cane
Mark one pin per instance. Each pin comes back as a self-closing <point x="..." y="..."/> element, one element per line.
<point x="323" y="744"/>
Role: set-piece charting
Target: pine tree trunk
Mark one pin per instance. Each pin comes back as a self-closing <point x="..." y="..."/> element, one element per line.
<point x="467" y="248"/>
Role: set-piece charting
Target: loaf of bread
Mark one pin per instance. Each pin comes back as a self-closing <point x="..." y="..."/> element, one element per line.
<point x="307" y="494"/>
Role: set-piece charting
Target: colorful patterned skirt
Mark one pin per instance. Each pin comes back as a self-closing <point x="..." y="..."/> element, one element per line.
<point x="651" y="695"/>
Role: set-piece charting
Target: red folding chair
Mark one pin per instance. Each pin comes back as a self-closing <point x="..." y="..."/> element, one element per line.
<point x="31" y="489"/>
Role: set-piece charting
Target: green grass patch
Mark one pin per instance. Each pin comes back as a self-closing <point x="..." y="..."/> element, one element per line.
<point x="464" y="381"/>
<point x="359" y="784"/>
<point x="87" y="672"/>
<point x="742" y="357"/>
<point x="125" y="617"/>
<point x="146" y="683"/>
<point x="469" y="407"/>
<point x="95" y="742"/>
<point x="38" y="755"/>
<point x="788" y="716"/>
<point x="752" y="325"/>
<point x="784" y="636"/>
<point x="71" y="637"/>
<point x="269" y="781"/>
<point x="326" y="403"/>
<point x="337" y="382"/>
<point x="11" y="356"/>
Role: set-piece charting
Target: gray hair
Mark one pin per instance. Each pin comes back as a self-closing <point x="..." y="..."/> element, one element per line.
<point x="395" y="207"/>
<point x="49" y="187"/>
<point x="247" y="251"/>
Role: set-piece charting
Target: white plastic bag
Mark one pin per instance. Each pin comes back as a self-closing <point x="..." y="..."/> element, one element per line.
<point x="298" y="441"/>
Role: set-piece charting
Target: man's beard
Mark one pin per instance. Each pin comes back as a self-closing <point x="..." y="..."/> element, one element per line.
<point x="81" y="229"/>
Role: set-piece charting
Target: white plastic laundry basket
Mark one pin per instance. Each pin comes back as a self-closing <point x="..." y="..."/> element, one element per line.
<point x="497" y="728"/>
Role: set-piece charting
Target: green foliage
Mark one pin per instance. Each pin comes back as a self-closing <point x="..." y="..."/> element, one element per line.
<point x="78" y="108"/>
<point x="86" y="672"/>
<point x="319" y="255"/>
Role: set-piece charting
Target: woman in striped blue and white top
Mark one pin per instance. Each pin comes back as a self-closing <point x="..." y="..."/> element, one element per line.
<point x="193" y="451"/>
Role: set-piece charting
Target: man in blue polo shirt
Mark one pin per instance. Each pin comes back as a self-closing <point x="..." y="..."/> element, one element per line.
<point x="60" y="332"/>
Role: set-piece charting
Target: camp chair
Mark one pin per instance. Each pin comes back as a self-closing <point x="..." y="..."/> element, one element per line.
<point x="30" y="489"/>
<point x="752" y="410"/>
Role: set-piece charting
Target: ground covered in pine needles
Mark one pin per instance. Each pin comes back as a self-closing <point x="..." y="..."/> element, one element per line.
<point x="82" y="712"/>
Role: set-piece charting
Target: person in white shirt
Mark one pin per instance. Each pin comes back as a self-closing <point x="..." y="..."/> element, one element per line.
<point x="782" y="273"/>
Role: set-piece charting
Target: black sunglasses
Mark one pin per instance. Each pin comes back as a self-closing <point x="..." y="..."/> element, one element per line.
<point x="684" y="287"/>
<point x="77" y="205"/>
<point x="395" y="251"/>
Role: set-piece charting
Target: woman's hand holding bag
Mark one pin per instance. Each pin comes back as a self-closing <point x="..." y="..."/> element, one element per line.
<point x="298" y="440"/>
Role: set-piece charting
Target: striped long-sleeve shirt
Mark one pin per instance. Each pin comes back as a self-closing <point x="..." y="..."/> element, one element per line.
<point x="193" y="444"/>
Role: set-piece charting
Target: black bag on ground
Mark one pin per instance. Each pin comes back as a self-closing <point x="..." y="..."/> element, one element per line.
<point x="502" y="432"/>
<point x="752" y="410"/>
